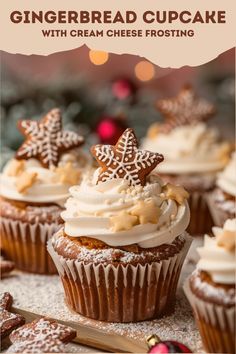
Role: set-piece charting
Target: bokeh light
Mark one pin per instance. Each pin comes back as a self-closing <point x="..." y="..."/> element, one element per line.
<point x="98" y="57"/>
<point x="144" y="70"/>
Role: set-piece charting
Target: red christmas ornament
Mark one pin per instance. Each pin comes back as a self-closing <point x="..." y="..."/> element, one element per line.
<point x="157" y="346"/>
<point x="109" y="129"/>
<point x="122" y="89"/>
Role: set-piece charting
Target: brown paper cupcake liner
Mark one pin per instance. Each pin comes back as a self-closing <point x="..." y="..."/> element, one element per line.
<point x="219" y="216"/>
<point x="117" y="292"/>
<point x="26" y="245"/>
<point x="201" y="221"/>
<point x="216" y="323"/>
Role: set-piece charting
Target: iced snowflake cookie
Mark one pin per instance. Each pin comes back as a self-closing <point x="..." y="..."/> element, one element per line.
<point x="194" y="152"/>
<point x="41" y="336"/>
<point x="34" y="188"/>
<point x="121" y="249"/>
<point x="9" y="321"/>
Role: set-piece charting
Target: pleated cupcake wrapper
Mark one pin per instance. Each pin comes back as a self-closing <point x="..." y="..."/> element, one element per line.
<point x="26" y="244"/>
<point x="121" y="293"/>
<point x="201" y="221"/>
<point x="213" y="320"/>
<point x="219" y="216"/>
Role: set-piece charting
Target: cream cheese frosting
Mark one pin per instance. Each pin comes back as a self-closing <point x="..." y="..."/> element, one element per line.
<point x="217" y="260"/>
<point x="91" y="205"/>
<point x="227" y="179"/>
<point x="189" y="149"/>
<point x="46" y="189"/>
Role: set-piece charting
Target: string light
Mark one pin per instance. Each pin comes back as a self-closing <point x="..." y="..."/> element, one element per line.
<point x="98" y="57"/>
<point x="144" y="70"/>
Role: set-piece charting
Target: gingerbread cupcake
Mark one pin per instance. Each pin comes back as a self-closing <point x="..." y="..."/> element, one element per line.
<point x="211" y="290"/>
<point x="194" y="152"/>
<point x="221" y="201"/>
<point x="120" y="252"/>
<point x="34" y="188"/>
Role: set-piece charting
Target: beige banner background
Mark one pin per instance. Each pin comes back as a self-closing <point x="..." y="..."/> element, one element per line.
<point x="209" y="41"/>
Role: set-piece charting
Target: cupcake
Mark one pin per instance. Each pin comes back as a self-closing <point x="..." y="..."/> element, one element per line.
<point x="120" y="252"/>
<point x="222" y="199"/>
<point x="193" y="151"/>
<point x="34" y="188"/>
<point x="211" y="290"/>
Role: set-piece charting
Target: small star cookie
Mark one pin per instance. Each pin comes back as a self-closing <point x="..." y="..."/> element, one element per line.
<point x="25" y="181"/>
<point x="224" y="152"/>
<point x="67" y="174"/>
<point x="227" y="239"/>
<point x="15" y="168"/>
<point x="147" y="212"/>
<point x="123" y="221"/>
<point x="177" y="193"/>
<point x="153" y="130"/>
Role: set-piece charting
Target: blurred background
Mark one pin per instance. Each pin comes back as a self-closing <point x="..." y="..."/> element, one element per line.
<point x="100" y="94"/>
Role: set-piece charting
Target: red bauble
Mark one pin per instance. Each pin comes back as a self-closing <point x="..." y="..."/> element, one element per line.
<point x="158" y="346"/>
<point x="122" y="89"/>
<point x="169" y="346"/>
<point x="109" y="129"/>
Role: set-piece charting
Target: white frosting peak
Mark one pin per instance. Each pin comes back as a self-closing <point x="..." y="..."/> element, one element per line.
<point x="188" y="149"/>
<point x="91" y="205"/>
<point x="46" y="189"/>
<point x="227" y="179"/>
<point x="217" y="260"/>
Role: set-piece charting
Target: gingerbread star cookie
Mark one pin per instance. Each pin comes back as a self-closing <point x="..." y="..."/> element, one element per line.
<point x="67" y="174"/>
<point x="125" y="160"/>
<point x="227" y="239"/>
<point x="9" y="321"/>
<point x="177" y="193"/>
<point x="45" y="140"/>
<point x="147" y="212"/>
<point x="25" y="180"/>
<point x="184" y="109"/>
<point x="123" y="221"/>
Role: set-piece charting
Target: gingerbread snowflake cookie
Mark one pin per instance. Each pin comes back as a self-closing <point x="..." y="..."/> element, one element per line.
<point x="43" y="328"/>
<point x="38" y="346"/>
<point x="41" y="336"/>
<point x="125" y="160"/>
<point x="9" y="321"/>
<point x="184" y="109"/>
<point x="45" y="140"/>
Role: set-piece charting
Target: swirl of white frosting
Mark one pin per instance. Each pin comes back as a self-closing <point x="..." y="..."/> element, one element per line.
<point x="227" y="179"/>
<point x="215" y="259"/>
<point x="46" y="189"/>
<point x="188" y="149"/>
<point x="89" y="209"/>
